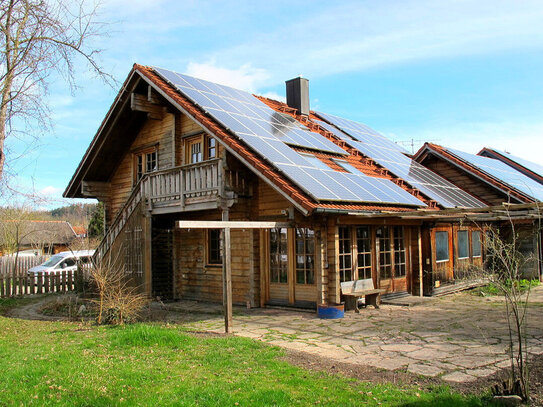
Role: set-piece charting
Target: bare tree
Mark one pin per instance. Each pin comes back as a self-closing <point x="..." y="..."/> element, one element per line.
<point x="40" y="38"/>
<point x="505" y="268"/>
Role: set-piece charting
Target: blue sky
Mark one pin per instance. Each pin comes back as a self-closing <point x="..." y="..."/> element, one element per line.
<point x="465" y="74"/>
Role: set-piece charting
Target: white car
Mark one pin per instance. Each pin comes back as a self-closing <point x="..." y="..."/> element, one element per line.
<point x="64" y="261"/>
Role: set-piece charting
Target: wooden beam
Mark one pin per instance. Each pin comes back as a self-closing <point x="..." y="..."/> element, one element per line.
<point x="421" y="264"/>
<point x="227" y="276"/>
<point x="95" y="189"/>
<point x="210" y="224"/>
<point x="140" y="103"/>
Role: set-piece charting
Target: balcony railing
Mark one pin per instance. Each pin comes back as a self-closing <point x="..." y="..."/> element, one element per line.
<point x="177" y="188"/>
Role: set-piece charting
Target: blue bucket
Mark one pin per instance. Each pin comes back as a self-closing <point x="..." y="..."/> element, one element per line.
<point x="330" y="311"/>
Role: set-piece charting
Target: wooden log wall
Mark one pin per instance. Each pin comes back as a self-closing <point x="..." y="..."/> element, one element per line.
<point x="153" y="133"/>
<point x="198" y="280"/>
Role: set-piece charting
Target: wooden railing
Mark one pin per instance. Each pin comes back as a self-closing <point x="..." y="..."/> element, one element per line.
<point x="40" y="283"/>
<point x="178" y="184"/>
<point x="173" y="186"/>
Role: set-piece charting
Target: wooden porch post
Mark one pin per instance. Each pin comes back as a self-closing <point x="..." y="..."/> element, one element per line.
<point x="148" y="237"/>
<point x="227" y="277"/>
<point x="421" y="273"/>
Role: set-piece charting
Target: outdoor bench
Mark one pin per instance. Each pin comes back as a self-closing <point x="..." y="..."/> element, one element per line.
<point x="353" y="291"/>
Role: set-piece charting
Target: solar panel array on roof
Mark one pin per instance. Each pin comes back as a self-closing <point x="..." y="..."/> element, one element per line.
<point x="391" y="156"/>
<point x="242" y="113"/>
<point x="269" y="133"/>
<point x="502" y="172"/>
<point x="531" y="166"/>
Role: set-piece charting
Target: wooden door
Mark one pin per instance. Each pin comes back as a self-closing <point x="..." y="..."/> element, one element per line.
<point x="278" y="265"/>
<point x="305" y="288"/>
<point x="291" y="269"/>
<point x="392" y="258"/>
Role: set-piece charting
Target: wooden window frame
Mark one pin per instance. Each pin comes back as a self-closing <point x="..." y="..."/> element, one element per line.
<point x="399" y="251"/>
<point x="210" y="261"/>
<point x="205" y="144"/>
<point x="468" y="244"/>
<point x="306" y="269"/>
<point x="143" y="153"/>
<point x="389" y="251"/>
<point x="341" y="254"/>
<point x="286" y="266"/>
<point x="365" y="267"/>
<point x="448" y="246"/>
<point x="480" y="255"/>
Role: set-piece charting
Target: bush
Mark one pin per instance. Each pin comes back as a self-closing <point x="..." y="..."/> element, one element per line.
<point x="117" y="302"/>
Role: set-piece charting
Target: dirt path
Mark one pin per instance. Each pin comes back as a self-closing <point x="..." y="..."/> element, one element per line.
<point x="32" y="311"/>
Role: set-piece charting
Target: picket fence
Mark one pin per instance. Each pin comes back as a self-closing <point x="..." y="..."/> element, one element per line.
<point x="40" y="283"/>
<point x="24" y="263"/>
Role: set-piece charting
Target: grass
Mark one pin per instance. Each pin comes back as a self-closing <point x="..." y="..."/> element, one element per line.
<point x="70" y="364"/>
<point x="491" y="289"/>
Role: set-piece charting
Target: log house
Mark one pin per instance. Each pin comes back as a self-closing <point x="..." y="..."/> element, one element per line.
<point x="159" y="158"/>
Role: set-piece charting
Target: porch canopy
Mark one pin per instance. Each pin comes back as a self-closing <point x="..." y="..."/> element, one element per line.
<point x="226" y="226"/>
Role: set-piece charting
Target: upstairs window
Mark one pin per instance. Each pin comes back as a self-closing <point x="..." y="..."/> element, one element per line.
<point x="145" y="161"/>
<point x="200" y="148"/>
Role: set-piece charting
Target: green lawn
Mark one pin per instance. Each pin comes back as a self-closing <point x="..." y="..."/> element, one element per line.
<point x="49" y="363"/>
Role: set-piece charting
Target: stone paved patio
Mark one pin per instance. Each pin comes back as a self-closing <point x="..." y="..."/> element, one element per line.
<point x="459" y="337"/>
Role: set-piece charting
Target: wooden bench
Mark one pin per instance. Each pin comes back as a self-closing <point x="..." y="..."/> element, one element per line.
<point x="353" y="291"/>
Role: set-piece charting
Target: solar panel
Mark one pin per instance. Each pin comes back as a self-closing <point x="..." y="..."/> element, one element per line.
<point x="496" y="154"/>
<point x="269" y="133"/>
<point x="503" y="172"/>
<point x="240" y="111"/>
<point x="392" y="157"/>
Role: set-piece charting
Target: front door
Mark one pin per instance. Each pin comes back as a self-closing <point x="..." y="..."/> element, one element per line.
<point x="291" y="267"/>
<point x="391" y="258"/>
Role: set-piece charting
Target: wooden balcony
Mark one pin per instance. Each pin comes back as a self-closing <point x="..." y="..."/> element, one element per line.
<point x="197" y="186"/>
<point x="205" y="185"/>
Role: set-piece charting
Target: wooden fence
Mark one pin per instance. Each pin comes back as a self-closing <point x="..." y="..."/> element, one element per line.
<point x="24" y="263"/>
<point x="40" y="283"/>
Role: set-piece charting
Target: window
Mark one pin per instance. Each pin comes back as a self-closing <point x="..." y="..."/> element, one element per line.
<point x="463" y="244"/>
<point x="316" y="162"/>
<point x="345" y="254"/>
<point x="278" y="255"/>
<point x="348" y="167"/>
<point x="305" y="256"/>
<point x="363" y="245"/>
<point x="442" y="246"/>
<point x="200" y="148"/>
<point x="399" y="252"/>
<point x="476" y="243"/>
<point x="211" y="148"/>
<point x="145" y="162"/>
<point x="66" y="263"/>
<point x="214" y="247"/>
<point x="384" y="252"/>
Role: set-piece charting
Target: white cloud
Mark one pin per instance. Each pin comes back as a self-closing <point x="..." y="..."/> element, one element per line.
<point x="361" y="35"/>
<point x="50" y="191"/>
<point x="245" y="77"/>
